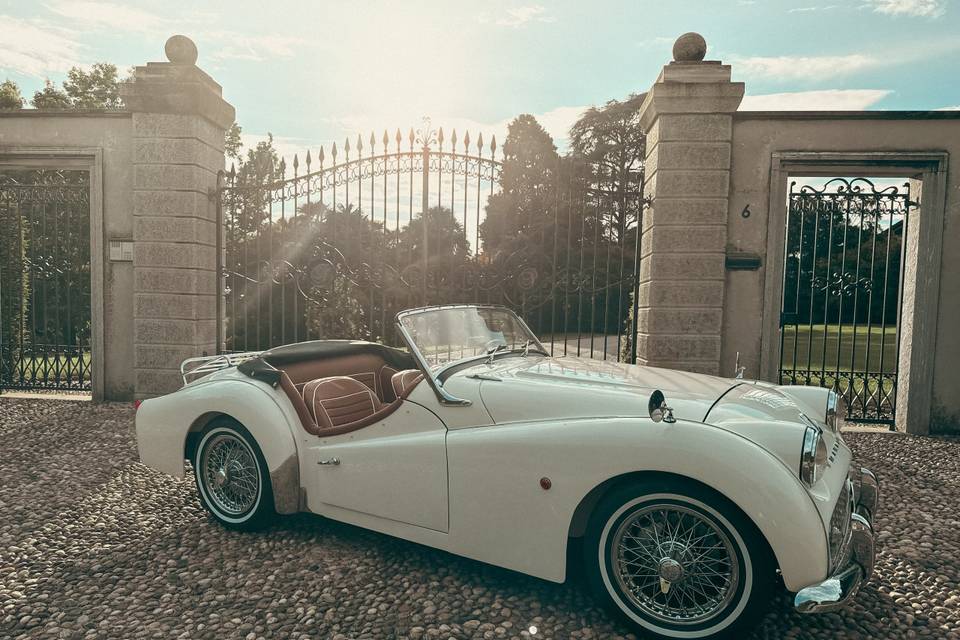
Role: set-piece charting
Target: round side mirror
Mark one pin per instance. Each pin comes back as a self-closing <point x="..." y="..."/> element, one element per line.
<point x="656" y="405"/>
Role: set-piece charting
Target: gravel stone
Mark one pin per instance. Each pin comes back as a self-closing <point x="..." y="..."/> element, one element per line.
<point x="95" y="545"/>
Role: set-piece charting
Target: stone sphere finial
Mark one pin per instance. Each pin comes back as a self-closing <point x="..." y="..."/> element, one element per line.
<point x="690" y="47"/>
<point x="180" y="50"/>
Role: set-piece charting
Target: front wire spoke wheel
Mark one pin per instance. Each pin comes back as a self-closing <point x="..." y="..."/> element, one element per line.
<point x="691" y="558"/>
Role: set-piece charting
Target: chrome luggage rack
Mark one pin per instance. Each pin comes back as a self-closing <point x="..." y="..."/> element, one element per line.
<point x="193" y="369"/>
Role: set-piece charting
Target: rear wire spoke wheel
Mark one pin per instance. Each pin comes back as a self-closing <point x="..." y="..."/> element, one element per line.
<point x="677" y="560"/>
<point x="232" y="477"/>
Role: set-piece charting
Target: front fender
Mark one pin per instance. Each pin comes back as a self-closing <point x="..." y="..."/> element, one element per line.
<point x="495" y="477"/>
<point x="163" y="424"/>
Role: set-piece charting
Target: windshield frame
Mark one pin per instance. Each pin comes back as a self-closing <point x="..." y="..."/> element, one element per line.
<point x="435" y="377"/>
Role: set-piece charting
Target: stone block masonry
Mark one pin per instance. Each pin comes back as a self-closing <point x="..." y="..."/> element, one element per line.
<point x="179" y="119"/>
<point x="687" y="115"/>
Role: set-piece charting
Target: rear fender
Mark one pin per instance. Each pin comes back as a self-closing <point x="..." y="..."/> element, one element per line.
<point x="165" y="424"/>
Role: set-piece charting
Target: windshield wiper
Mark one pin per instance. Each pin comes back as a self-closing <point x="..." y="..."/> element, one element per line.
<point x="493" y="351"/>
<point x="526" y="348"/>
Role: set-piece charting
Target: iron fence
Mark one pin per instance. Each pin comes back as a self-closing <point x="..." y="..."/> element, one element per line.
<point x="334" y="246"/>
<point x="842" y="292"/>
<point x="45" y="279"/>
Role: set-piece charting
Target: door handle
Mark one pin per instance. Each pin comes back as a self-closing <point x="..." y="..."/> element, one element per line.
<point x="331" y="461"/>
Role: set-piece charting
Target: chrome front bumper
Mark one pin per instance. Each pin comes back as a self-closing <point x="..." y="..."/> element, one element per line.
<point x="858" y="551"/>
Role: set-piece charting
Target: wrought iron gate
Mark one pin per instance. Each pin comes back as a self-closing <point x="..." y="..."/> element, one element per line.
<point x="334" y="245"/>
<point x="45" y="279"/>
<point x="842" y="292"/>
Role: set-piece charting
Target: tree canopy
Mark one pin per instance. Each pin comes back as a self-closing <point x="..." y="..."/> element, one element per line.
<point x="10" y="97"/>
<point x="50" y="98"/>
<point x="528" y="181"/>
<point x="98" y="88"/>
<point x="610" y="140"/>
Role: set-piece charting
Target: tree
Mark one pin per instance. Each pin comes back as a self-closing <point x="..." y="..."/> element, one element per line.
<point x="446" y="238"/>
<point x="528" y="183"/>
<point x="10" y="97"/>
<point x="50" y="98"/>
<point x="612" y="142"/>
<point x="232" y="143"/>
<point x="98" y="88"/>
<point x="612" y="146"/>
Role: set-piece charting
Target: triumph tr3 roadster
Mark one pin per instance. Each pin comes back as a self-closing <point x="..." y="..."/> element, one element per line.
<point x="690" y="495"/>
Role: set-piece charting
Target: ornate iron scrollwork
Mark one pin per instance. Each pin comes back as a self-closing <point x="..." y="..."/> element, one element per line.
<point x="842" y="287"/>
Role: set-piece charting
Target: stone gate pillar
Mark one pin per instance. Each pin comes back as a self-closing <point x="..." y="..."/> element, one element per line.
<point x="179" y="120"/>
<point x="687" y="115"/>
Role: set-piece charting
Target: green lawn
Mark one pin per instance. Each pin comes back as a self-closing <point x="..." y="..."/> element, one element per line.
<point x="852" y="347"/>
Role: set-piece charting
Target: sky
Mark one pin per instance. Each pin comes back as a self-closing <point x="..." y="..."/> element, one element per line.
<point x="316" y="72"/>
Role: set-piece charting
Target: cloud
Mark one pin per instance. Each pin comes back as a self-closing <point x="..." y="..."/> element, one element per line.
<point x="232" y="45"/>
<point x="804" y="67"/>
<point x="519" y="16"/>
<point x="828" y="7"/>
<point x="286" y="146"/>
<point x="955" y="107"/>
<point x="558" y="121"/>
<point x="35" y="48"/>
<point x="915" y="8"/>
<point x="105" y="15"/>
<point x="254" y="48"/>
<point x="825" y="100"/>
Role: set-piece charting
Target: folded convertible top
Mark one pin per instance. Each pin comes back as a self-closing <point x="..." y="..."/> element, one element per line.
<point x="264" y="366"/>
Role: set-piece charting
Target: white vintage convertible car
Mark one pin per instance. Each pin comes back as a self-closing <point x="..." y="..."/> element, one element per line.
<point x="690" y="493"/>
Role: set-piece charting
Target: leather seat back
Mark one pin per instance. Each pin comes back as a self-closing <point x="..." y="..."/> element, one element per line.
<point x="403" y="382"/>
<point x="367" y="368"/>
<point x="339" y="401"/>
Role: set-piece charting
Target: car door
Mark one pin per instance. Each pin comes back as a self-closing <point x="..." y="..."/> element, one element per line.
<point x="395" y="469"/>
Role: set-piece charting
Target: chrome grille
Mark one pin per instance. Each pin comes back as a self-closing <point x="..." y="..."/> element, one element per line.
<point x="840" y="525"/>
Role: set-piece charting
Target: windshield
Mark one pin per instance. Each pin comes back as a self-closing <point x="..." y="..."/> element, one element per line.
<point x="447" y="334"/>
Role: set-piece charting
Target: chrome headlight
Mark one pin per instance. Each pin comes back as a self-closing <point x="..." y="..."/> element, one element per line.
<point x="813" y="457"/>
<point x="836" y="410"/>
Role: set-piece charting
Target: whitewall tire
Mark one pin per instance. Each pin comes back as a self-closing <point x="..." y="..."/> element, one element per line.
<point x="676" y="560"/>
<point x="233" y="481"/>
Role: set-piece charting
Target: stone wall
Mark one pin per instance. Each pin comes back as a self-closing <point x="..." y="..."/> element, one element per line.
<point x="179" y="119"/>
<point x="71" y="138"/>
<point x="156" y="164"/>
<point x="687" y="115"/>
<point x="893" y="138"/>
<point x="717" y="177"/>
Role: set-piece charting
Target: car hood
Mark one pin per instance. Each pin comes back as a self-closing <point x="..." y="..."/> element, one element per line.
<point x="517" y="388"/>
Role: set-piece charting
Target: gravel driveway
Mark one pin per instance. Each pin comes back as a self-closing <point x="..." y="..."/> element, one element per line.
<point x="93" y="544"/>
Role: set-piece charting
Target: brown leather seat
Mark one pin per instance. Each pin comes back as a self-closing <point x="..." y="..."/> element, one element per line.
<point x="339" y="401"/>
<point x="404" y="381"/>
